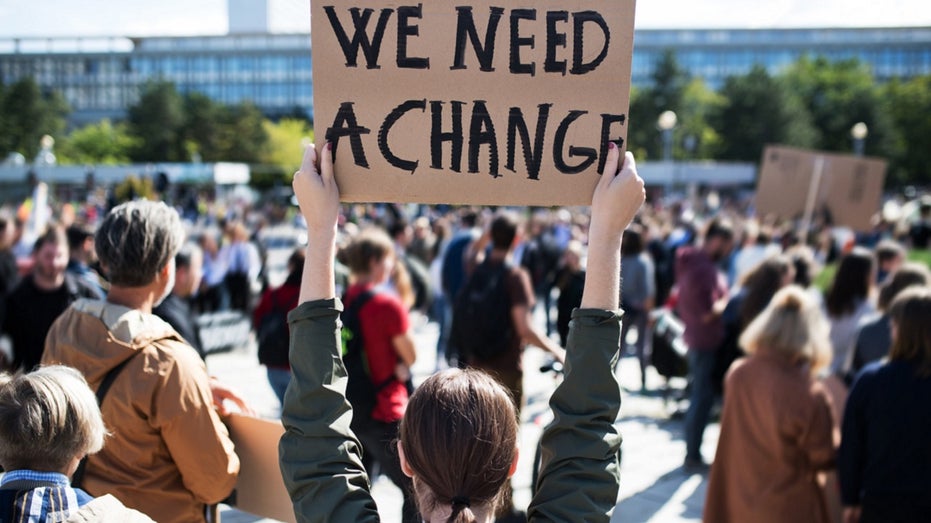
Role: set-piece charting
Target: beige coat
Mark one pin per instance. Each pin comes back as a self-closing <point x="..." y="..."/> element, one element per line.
<point x="776" y="435"/>
<point x="169" y="454"/>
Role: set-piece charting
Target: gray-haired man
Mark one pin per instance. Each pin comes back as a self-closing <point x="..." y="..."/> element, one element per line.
<point x="170" y="455"/>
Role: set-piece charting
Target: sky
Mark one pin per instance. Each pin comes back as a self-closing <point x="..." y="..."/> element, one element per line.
<point x="63" y="18"/>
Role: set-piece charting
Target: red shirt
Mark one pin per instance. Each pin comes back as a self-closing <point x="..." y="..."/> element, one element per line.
<point x="382" y="319"/>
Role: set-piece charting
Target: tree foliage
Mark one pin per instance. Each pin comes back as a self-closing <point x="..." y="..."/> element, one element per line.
<point x="909" y="109"/>
<point x="99" y="144"/>
<point x="26" y="114"/>
<point x="757" y="110"/>
<point x="157" y="121"/>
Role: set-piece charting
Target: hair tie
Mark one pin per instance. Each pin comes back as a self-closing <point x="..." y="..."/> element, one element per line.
<point x="460" y="501"/>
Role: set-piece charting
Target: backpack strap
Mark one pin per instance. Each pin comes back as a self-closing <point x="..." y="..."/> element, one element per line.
<point x="352" y="318"/>
<point x="78" y="478"/>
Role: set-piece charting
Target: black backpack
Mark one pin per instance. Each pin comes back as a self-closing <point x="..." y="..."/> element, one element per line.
<point x="361" y="392"/>
<point x="273" y="336"/>
<point x="482" y="325"/>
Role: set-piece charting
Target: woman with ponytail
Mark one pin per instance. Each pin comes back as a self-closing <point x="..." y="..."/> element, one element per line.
<point x="458" y="438"/>
<point x="776" y="426"/>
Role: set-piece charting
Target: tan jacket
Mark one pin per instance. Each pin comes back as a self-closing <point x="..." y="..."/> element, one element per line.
<point x="169" y="454"/>
<point x="776" y="435"/>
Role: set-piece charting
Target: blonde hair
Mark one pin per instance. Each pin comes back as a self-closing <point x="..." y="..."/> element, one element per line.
<point x="793" y="326"/>
<point x="47" y="418"/>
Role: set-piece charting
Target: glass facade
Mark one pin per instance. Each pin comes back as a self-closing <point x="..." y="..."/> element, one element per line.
<point x="101" y="77"/>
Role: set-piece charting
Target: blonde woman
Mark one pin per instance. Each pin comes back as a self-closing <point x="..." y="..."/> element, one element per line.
<point x="776" y="427"/>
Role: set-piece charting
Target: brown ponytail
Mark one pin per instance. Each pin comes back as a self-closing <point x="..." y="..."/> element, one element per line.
<point x="459" y="436"/>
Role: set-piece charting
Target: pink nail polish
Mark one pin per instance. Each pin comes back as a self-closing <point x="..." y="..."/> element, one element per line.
<point x="612" y="145"/>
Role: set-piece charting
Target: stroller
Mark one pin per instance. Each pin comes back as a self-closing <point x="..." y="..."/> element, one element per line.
<point x="669" y="355"/>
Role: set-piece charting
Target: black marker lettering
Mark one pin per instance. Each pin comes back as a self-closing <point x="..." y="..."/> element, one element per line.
<point x="465" y="26"/>
<point x="437" y="136"/>
<point x="360" y="38"/>
<point x="517" y="67"/>
<point x="578" y="27"/>
<point x="559" y="142"/>
<point x="482" y="131"/>
<point x="555" y="39"/>
<point x="386" y="126"/>
<point x="405" y="29"/>
<point x="345" y="124"/>
<point x="606" y="121"/>
<point x="533" y="154"/>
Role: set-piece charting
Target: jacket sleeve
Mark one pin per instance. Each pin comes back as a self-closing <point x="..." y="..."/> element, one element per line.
<point x="853" y="450"/>
<point x="198" y="441"/>
<point x="320" y="456"/>
<point x="579" y="473"/>
<point x="818" y="437"/>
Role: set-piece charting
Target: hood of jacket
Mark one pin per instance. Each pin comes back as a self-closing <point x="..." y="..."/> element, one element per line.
<point x="94" y="336"/>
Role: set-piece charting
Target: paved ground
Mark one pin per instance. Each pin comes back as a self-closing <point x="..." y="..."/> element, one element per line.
<point x="653" y="485"/>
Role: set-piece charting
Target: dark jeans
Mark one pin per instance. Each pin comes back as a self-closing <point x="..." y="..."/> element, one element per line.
<point x="379" y="445"/>
<point x="238" y="286"/>
<point x="637" y="318"/>
<point x="701" y="365"/>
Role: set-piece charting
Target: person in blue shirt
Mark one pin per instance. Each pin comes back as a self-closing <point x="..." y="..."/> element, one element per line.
<point x="49" y="420"/>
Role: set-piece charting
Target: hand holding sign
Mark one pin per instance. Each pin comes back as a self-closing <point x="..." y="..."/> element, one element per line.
<point x="450" y="103"/>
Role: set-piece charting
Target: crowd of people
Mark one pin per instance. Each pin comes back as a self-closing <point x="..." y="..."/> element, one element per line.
<point x="825" y="392"/>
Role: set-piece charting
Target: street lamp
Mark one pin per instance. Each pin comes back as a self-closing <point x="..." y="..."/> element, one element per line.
<point x="858" y="132"/>
<point x="666" y="123"/>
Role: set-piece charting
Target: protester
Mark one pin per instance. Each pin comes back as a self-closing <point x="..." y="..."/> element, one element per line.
<point x="273" y="335"/>
<point x="243" y="265"/>
<point x="755" y="289"/>
<point x="389" y="353"/>
<point x="81" y="257"/>
<point x="49" y="421"/>
<point x="212" y="295"/>
<point x="776" y="426"/>
<point x="170" y="455"/>
<point x="176" y="308"/>
<point x="571" y="283"/>
<point x="9" y="273"/>
<point x="884" y="463"/>
<point x="890" y="255"/>
<point x="847" y="301"/>
<point x="40" y="297"/>
<point x="701" y="285"/>
<point x="874" y="334"/>
<point x="459" y="443"/>
<point x="638" y="287"/>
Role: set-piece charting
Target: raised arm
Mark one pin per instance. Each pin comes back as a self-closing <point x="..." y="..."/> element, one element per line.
<point x="580" y="470"/>
<point x="318" y="198"/>
<point x="614" y="204"/>
<point x="321" y="459"/>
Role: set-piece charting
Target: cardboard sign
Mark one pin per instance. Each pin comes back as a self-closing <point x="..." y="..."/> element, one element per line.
<point x="849" y="188"/>
<point x="260" y="489"/>
<point x="476" y="102"/>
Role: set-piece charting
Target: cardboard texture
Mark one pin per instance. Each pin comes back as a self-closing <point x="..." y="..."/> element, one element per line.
<point x="850" y="188"/>
<point x="475" y="102"/>
<point x="260" y="489"/>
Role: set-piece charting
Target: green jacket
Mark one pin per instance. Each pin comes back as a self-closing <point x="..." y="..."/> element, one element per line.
<point x="320" y="456"/>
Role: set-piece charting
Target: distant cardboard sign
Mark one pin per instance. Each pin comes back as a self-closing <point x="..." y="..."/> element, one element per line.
<point x="849" y="189"/>
<point x="472" y="102"/>
<point x="260" y="488"/>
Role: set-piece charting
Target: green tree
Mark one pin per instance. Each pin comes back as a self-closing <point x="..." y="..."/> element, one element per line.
<point x="283" y="151"/>
<point x="201" y="130"/>
<point x="910" y="105"/>
<point x="100" y="143"/>
<point x="757" y="109"/>
<point x="837" y="95"/>
<point x="665" y="93"/>
<point x="28" y="114"/>
<point x="242" y="137"/>
<point x="697" y="138"/>
<point x="157" y="121"/>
